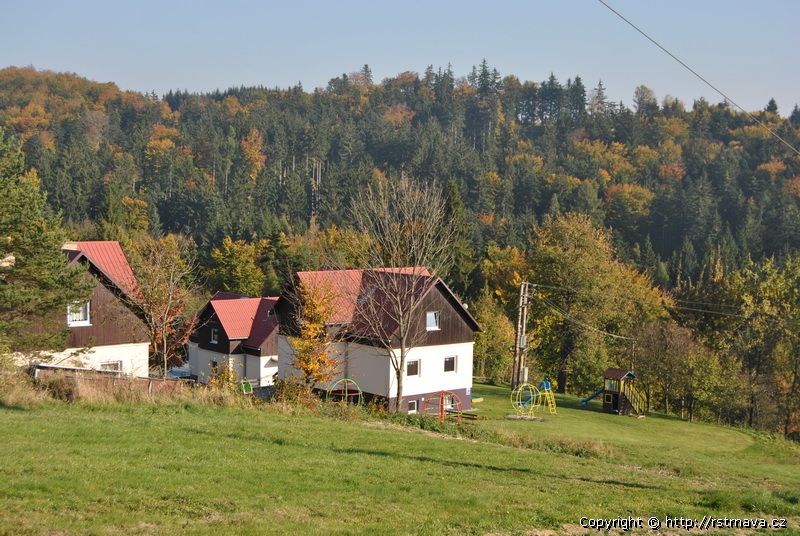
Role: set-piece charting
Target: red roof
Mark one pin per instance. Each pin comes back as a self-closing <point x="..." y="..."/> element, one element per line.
<point x="348" y="286"/>
<point x="245" y="318"/>
<point x="359" y="295"/>
<point x="108" y="257"/>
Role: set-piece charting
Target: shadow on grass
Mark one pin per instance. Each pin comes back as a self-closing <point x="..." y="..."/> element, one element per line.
<point x="420" y="458"/>
<point x="12" y="407"/>
<point x="470" y="465"/>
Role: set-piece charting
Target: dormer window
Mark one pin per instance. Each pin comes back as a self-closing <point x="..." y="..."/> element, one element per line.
<point x="79" y="315"/>
<point x="214" y="337"/>
<point x="432" y="320"/>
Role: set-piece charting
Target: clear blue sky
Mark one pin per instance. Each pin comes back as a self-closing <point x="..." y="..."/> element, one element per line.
<point x="747" y="48"/>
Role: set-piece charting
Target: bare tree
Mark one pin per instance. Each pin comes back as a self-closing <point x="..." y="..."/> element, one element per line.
<point x="165" y="271"/>
<point x="410" y="234"/>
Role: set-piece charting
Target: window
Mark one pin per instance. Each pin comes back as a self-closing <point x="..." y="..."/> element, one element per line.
<point x="449" y="402"/>
<point x="412" y="368"/>
<point x="116" y="366"/>
<point x="214" y="338"/>
<point x="432" y="320"/>
<point x="412" y="406"/>
<point x="450" y="364"/>
<point x="78" y="315"/>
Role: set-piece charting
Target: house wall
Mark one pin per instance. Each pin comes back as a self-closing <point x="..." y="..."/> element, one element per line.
<point x="453" y="328"/>
<point x="112" y="322"/>
<point x="134" y="357"/>
<point x="202" y="336"/>
<point x="371" y="368"/>
<point x="432" y="378"/>
<point x="259" y="368"/>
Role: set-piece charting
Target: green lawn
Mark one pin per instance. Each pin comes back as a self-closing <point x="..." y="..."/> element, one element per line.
<point x="118" y="469"/>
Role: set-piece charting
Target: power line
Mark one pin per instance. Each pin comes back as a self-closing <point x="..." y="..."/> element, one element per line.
<point x="698" y="75"/>
<point x="676" y="307"/>
<point x="582" y="324"/>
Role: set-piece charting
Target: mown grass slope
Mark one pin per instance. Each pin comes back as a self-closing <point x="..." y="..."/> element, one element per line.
<point x="127" y="469"/>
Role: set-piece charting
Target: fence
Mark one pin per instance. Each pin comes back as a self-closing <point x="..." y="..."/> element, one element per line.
<point x="87" y="380"/>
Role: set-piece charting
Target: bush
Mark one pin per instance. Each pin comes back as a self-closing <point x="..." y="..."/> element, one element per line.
<point x="17" y="390"/>
<point x="294" y="393"/>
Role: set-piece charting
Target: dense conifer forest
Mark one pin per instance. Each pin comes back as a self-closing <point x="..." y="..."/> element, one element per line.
<point x="674" y="223"/>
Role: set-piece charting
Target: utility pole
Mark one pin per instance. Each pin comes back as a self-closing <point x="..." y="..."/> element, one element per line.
<point x="518" y="376"/>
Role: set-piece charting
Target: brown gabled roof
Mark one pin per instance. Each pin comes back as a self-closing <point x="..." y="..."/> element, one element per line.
<point x="245" y="318"/>
<point x="613" y="373"/>
<point x="348" y="286"/>
<point x="352" y="288"/>
<point x="108" y="257"/>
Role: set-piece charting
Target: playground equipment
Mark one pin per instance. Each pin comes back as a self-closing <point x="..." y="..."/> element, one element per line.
<point x="444" y="405"/>
<point x="347" y="391"/>
<point x="619" y="393"/>
<point x="527" y="399"/>
<point x="247" y="387"/>
<point x="549" y="398"/>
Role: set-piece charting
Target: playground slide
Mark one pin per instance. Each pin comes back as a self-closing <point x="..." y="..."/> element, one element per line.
<point x="585" y="401"/>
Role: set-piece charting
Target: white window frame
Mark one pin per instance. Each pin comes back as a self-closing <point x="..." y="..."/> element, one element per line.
<point x="416" y="407"/>
<point x="117" y="366"/>
<point x="419" y="368"/>
<point x="428" y="326"/>
<point x="455" y="364"/>
<point x="79" y="323"/>
<point x="213" y="338"/>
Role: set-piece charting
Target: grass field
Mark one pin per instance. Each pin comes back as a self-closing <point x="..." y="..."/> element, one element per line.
<point x="147" y="469"/>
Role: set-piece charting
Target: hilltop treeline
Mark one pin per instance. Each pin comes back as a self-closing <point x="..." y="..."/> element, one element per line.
<point x="695" y="198"/>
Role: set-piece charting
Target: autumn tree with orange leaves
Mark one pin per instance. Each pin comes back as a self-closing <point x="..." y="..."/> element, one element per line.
<point x="313" y="358"/>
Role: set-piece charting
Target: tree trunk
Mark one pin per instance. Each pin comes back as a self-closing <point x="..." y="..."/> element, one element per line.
<point x="567" y="344"/>
<point x="400" y="370"/>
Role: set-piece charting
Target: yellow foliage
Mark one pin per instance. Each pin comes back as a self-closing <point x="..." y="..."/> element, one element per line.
<point x="772" y="168"/>
<point x="312" y="345"/>
<point x="252" y="147"/>
<point x="794" y="185"/>
<point x="399" y="114"/>
<point x="232" y="105"/>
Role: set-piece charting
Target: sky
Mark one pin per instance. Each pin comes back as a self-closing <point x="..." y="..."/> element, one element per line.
<point x="746" y="48"/>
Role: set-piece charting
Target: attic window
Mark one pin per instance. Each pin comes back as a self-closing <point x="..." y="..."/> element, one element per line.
<point x="214" y="337"/>
<point x="432" y="320"/>
<point x="79" y="315"/>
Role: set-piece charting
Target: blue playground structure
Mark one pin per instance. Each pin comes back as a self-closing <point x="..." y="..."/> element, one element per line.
<point x="585" y="401"/>
<point x="526" y="398"/>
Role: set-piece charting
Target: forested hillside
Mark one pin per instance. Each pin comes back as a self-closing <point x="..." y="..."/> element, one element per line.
<point x="692" y="198"/>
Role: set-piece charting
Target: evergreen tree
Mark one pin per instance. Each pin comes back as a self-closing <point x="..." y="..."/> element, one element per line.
<point x="36" y="281"/>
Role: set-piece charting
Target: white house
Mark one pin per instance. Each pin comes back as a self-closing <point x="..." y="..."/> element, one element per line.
<point x="237" y="331"/>
<point x="440" y="358"/>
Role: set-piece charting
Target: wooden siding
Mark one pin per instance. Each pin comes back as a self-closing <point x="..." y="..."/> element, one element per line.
<point x="202" y="335"/>
<point x="112" y="322"/>
<point x="453" y="328"/>
<point x="269" y="347"/>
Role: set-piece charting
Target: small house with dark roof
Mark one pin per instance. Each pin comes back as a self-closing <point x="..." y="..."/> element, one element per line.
<point x="239" y="332"/>
<point x="442" y="330"/>
<point x="105" y="333"/>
